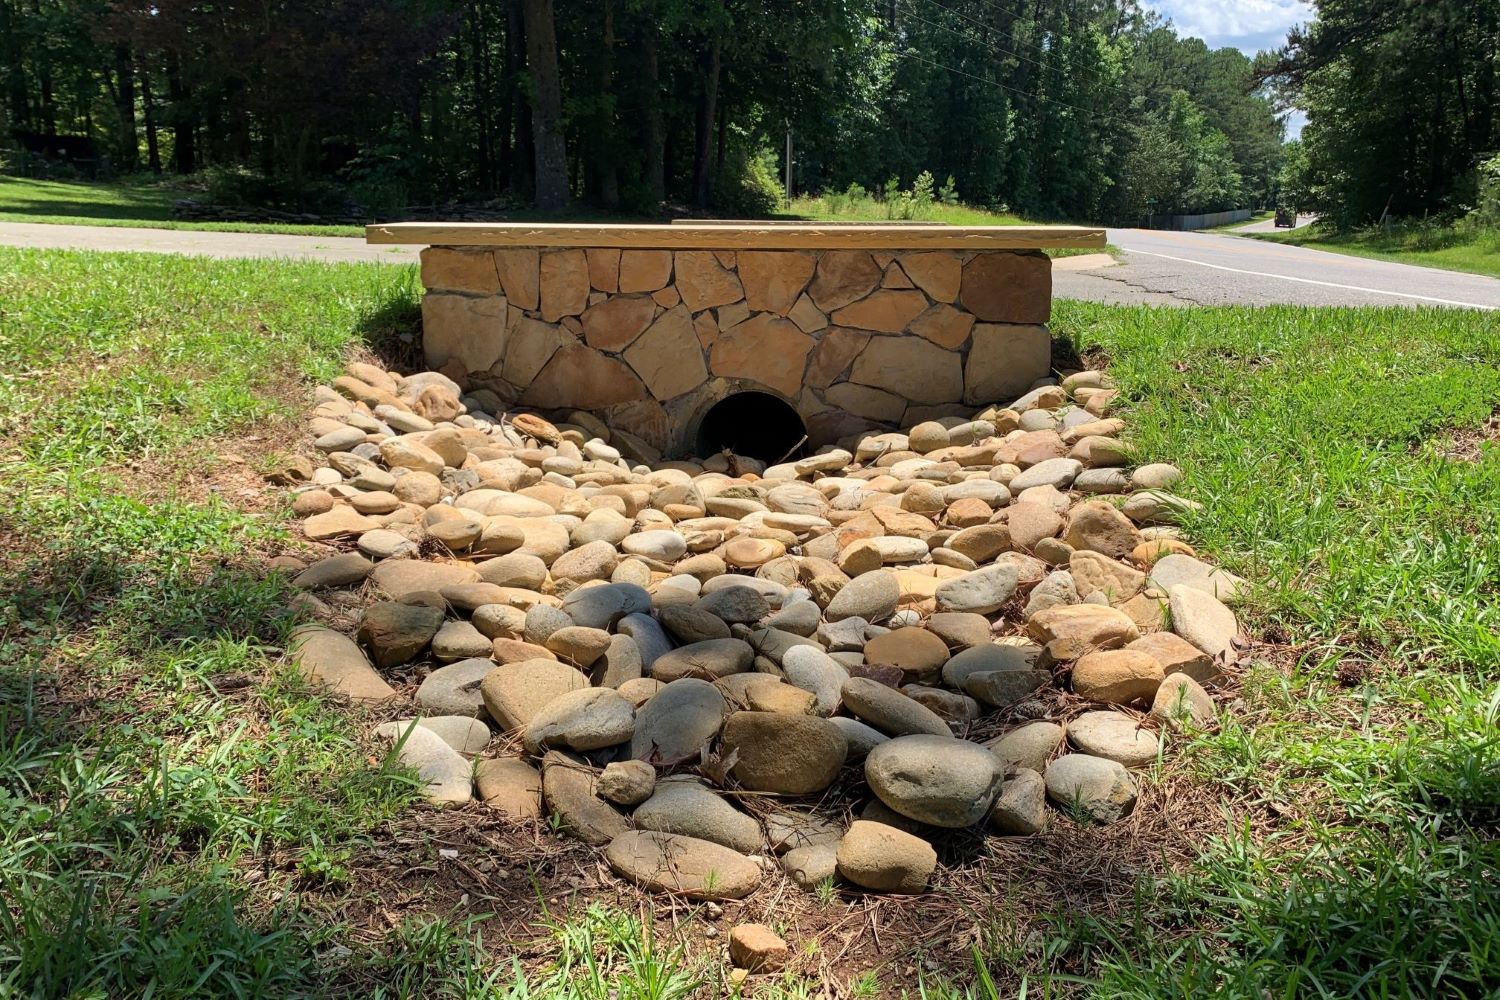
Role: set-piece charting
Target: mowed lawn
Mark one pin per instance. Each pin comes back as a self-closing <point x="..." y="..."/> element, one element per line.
<point x="1475" y="251"/>
<point x="179" y="816"/>
<point x="145" y="202"/>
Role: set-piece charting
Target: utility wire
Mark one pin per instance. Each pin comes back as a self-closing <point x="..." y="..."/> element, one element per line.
<point x="1081" y="69"/>
<point x="1003" y="86"/>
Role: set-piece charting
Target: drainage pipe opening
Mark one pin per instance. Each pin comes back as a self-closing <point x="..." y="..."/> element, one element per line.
<point x="754" y="424"/>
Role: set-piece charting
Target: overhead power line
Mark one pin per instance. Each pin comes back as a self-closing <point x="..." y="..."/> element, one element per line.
<point x="1089" y="112"/>
<point x="1089" y="70"/>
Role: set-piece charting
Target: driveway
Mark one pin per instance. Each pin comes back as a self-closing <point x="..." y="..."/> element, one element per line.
<point x="1179" y="269"/>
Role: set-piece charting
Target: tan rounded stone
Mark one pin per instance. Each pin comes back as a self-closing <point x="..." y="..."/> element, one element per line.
<point x="749" y="553"/>
<point x="1118" y="676"/>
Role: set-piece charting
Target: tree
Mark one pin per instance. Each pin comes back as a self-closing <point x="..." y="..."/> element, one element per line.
<point x="546" y="106"/>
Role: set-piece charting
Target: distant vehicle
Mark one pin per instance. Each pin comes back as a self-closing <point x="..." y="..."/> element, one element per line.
<point x="1286" y="218"/>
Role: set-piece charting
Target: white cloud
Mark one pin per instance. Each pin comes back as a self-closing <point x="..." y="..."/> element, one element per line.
<point x="1248" y="25"/>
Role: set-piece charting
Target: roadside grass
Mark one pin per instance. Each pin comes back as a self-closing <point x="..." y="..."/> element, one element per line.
<point x="179" y="816"/>
<point x="840" y="208"/>
<point x="1429" y="245"/>
<point x="1360" y="767"/>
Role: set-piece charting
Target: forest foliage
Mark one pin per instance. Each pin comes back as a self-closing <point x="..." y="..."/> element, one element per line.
<point x="1403" y="108"/>
<point x="1089" y="109"/>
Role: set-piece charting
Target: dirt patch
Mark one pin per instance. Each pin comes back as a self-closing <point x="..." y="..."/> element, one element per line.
<point x="1470" y="444"/>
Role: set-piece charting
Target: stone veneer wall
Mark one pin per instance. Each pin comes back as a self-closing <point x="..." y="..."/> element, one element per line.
<point x="649" y="340"/>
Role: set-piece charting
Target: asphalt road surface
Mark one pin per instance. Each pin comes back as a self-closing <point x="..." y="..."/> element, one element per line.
<point x="1158" y="268"/>
<point x="1203" y="269"/>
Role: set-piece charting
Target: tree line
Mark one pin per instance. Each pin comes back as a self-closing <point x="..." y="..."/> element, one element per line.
<point x="1401" y="99"/>
<point x="1056" y="109"/>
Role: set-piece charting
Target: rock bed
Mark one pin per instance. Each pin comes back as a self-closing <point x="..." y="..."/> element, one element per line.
<point x="714" y="671"/>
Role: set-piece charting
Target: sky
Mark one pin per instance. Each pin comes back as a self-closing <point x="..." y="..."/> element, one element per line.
<point x="1248" y="25"/>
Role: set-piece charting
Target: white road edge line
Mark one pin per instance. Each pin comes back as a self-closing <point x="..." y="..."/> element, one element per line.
<point x="1311" y="281"/>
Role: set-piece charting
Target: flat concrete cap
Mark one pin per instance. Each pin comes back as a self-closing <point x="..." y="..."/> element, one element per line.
<point x="735" y="236"/>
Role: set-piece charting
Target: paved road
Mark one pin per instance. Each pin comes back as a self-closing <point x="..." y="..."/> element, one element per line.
<point x="1158" y="268"/>
<point x="202" y="244"/>
<point x="1165" y="268"/>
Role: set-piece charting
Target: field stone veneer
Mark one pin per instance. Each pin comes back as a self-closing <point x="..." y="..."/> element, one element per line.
<point x="648" y="340"/>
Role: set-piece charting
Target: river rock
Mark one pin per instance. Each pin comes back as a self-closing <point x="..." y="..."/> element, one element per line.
<point x="398" y="633"/>
<point x="1090" y="788"/>
<point x="515" y="693"/>
<point x="333" y="660"/>
<point x="446" y="777"/>
<point x="686" y="806"/>
<point x="709" y="660"/>
<point x="1203" y="620"/>
<point x="569" y="789"/>
<point x="603" y="605"/>
<point x="1113" y="736"/>
<point x="682" y="866"/>
<point x="890" y="711"/>
<point x="588" y="718"/>
<point x="1029" y="746"/>
<point x="626" y="782"/>
<point x="872" y="596"/>
<point x="510" y="786"/>
<point x="783" y="754"/>
<point x="885" y="859"/>
<point x="678" y="721"/>
<point x="982" y="592"/>
<point x="1021" y="808"/>
<point x="937" y="780"/>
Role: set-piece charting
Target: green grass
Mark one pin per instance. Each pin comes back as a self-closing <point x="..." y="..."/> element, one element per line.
<point x="1359" y="847"/>
<point x="180" y="817"/>
<point x="133" y="202"/>
<point x="1452" y="249"/>
<point x="842" y="209"/>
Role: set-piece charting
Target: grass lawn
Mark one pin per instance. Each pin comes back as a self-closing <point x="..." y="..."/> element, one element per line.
<point x="145" y="203"/>
<point x="179" y="816"/>
<point x="1474" y="253"/>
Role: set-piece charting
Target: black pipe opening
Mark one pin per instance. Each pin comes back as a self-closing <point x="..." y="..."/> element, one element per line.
<point x="754" y="424"/>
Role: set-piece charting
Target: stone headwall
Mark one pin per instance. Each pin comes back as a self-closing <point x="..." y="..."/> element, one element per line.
<point x="649" y="340"/>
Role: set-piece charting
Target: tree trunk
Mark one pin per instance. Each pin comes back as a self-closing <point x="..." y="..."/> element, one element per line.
<point x="703" y="138"/>
<point x="16" y="87"/>
<point x="546" y="118"/>
<point x="606" y="170"/>
<point x="656" y="139"/>
<point x="516" y="135"/>
<point x="479" y="57"/>
<point x="148" y="108"/>
<point x="184" y="151"/>
<point x="44" y="77"/>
